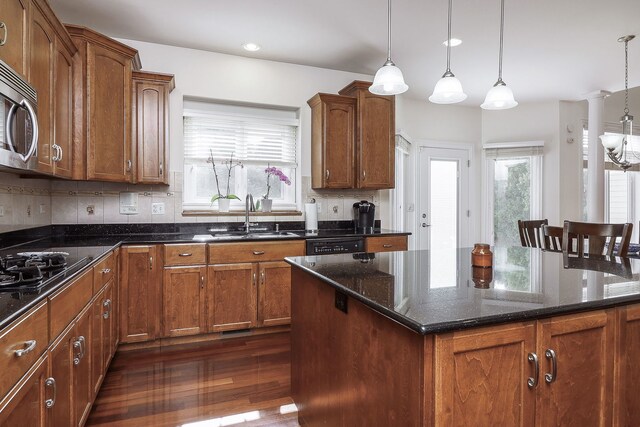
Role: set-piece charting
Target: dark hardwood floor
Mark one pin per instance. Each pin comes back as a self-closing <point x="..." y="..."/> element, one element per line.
<point x="235" y="381"/>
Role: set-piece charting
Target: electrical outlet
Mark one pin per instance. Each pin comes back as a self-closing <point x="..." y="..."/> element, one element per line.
<point x="43" y="208"/>
<point x="157" y="208"/>
<point x="91" y="210"/>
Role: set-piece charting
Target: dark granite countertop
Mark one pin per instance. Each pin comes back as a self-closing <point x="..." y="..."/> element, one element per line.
<point x="87" y="244"/>
<point x="439" y="291"/>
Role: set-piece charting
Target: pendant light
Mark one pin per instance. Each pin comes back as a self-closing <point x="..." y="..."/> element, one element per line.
<point x="388" y="79"/>
<point x="448" y="89"/>
<point x="500" y="96"/>
<point x="616" y="144"/>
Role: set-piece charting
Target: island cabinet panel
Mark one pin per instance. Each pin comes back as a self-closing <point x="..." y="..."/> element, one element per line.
<point x="184" y="297"/>
<point x="25" y="404"/>
<point x="481" y="377"/>
<point x="41" y="65"/>
<point x="14" y="14"/>
<point x="336" y="376"/>
<point x="578" y="391"/>
<point x="375" y="143"/>
<point x="385" y="243"/>
<point x="333" y="122"/>
<point x="231" y="291"/>
<point x="274" y="294"/>
<point x="139" y="294"/>
<point x="626" y="398"/>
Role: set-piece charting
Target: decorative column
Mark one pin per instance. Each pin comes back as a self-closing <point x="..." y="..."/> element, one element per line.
<point x="595" y="171"/>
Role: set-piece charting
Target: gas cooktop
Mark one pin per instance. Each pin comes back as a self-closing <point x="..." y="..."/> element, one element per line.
<point x="32" y="270"/>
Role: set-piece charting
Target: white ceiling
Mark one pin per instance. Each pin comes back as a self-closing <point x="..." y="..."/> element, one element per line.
<point x="554" y="49"/>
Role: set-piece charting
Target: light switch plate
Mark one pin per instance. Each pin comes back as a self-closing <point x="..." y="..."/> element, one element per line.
<point x="128" y="203"/>
<point x="157" y="208"/>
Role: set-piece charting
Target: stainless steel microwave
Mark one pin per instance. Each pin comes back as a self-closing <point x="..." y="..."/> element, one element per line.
<point x="18" y="121"/>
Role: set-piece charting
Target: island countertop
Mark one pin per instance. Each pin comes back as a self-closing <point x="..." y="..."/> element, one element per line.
<point x="439" y="291"/>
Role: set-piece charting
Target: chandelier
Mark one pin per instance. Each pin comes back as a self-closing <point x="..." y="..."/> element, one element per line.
<point x="617" y="144"/>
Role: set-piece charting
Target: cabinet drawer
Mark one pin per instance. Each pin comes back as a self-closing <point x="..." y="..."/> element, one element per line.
<point x="21" y="344"/>
<point x="185" y="254"/>
<point x="385" y="244"/>
<point x="103" y="271"/>
<point x="223" y="253"/>
<point x="65" y="304"/>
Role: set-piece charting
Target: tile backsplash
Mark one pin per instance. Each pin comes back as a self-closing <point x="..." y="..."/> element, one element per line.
<point x="27" y="203"/>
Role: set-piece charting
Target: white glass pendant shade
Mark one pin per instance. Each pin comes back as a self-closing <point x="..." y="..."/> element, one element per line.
<point x="448" y="90"/>
<point x="612" y="142"/>
<point x="388" y="81"/>
<point x="499" y="97"/>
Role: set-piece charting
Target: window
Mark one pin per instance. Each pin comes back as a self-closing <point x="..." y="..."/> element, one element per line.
<point x="255" y="136"/>
<point x="514" y="178"/>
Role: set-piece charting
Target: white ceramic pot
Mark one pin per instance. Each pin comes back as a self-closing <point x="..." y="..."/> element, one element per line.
<point x="266" y="204"/>
<point x="223" y="204"/>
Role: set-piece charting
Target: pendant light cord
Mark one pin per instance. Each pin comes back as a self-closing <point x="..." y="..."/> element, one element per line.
<point x="626" y="77"/>
<point x="389" y="32"/>
<point x="449" y="41"/>
<point x="501" y="43"/>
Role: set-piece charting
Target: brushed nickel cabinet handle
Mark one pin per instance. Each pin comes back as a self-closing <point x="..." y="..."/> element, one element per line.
<point x="161" y="168"/>
<point x="255" y="279"/>
<point x="258" y="252"/>
<point x="29" y="346"/>
<point x="364" y="175"/>
<point x="387" y="245"/>
<point x="129" y="165"/>
<point x="61" y="153"/>
<point x="532" y="382"/>
<point x="3" y="40"/>
<point x="82" y="342"/>
<point x="185" y="254"/>
<point x="77" y="356"/>
<point x="54" y="158"/>
<point x="551" y="377"/>
<point x="326" y="174"/>
<point x="150" y="263"/>
<point x="263" y="277"/>
<point x="107" y="305"/>
<point x="105" y="271"/>
<point x="201" y="282"/>
<point x="51" y="382"/>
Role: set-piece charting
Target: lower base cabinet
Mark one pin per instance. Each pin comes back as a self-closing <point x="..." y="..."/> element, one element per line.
<point x="82" y="384"/>
<point x="553" y="372"/>
<point x="232" y="296"/>
<point x="274" y="293"/>
<point x="183" y="301"/>
<point x="62" y="355"/>
<point x="25" y="404"/>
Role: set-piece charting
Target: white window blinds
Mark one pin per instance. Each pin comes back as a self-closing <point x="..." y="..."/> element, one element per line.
<point x="251" y="139"/>
<point x="513" y="149"/>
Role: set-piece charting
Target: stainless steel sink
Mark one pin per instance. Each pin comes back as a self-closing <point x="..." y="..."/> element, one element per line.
<point x="270" y="234"/>
<point x="231" y="235"/>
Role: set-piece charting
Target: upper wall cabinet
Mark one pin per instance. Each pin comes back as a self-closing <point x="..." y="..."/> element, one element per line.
<point x="14" y="33"/>
<point x="375" y="144"/>
<point x="352" y="139"/>
<point x="151" y="126"/>
<point x="102" y="128"/>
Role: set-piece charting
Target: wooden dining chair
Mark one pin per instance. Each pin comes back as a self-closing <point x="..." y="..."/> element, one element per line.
<point x="552" y="238"/>
<point x="601" y="238"/>
<point x="531" y="232"/>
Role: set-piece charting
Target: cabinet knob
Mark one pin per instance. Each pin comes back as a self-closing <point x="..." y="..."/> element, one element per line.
<point x="51" y="382"/>
<point x="3" y="27"/>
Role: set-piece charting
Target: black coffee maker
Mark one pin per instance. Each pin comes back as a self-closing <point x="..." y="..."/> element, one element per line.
<point x="364" y="216"/>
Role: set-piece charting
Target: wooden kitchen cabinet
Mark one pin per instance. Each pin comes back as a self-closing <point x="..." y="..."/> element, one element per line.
<point x="184" y="297"/>
<point x="482" y="376"/>
<point x="151" y="126"/>
<point x="385" y="243"/>
<point x="102" y="129"/>
<point x="61" y="357"/>
<point x="82" y="350"/>
<point x="63" y="111"/>
<point x="14" y="14"/>
<point x="103" y="330"/>
<point x="25" y="404"/>
<point x="375" y="137"/>
<point x="333" y="132"/>
<point x="232" y="293"/>
<point x="274" y="293"/>
<point x="140" y="293"/>
<point x="626" y="400"/>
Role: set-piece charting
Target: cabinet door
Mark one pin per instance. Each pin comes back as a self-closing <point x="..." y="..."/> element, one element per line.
<point x="338" y="144"/>
<point x="14" y="14"/>
<point x="25" y="404"/>
<point x="82" y="384"/>
<point x="481" y="377"/>
<point x="108" y="325"/>
<point x="274" y="294"/>
<point x="139" y="295"/>
<point x="109" y="156"/>
<point x="61" y="356"/>
<point x="577" y="392"/>
<point x="41" y="54"/>
<point x="151" y="123"/>
<point x="375" y="145"/>
<point x="97" y="342"/>
<point x="183" y="304"/>
<point x="626" y="398"/>
<point x="63" y="111"/>
<point x="232" y="296"/>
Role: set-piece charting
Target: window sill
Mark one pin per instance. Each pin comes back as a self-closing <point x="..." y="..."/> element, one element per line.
<point x="239" y="213"/>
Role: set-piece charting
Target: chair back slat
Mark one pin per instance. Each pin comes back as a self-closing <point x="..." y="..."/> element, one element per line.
<point x="531" y="233"/>
<point x="600" y="239"/>
<point x="552" y="238"/>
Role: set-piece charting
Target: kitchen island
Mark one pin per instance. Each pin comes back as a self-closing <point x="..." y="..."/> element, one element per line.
<point x="419" y="338"/>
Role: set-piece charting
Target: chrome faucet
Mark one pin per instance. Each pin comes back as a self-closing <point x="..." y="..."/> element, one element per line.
<point x="248" y="207"/>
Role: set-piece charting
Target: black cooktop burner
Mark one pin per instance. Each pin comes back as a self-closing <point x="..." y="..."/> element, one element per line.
<point x="29" y="269"/>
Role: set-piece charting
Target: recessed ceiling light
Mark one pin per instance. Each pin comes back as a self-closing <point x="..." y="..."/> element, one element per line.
<point x="251" y="47"/>
<point x="454" y="42"/>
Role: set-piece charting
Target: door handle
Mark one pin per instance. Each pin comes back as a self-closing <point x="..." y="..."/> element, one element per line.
<point x="551" y="377"/>
<point x="326" y="174"/>
<point x="129" y="165"/>
<point x="107" y="305"/>
<point x="150" y="263"/>
<point x="258" y="252"/>
<point x="29" y="346"/>
<point x="201" y="282"/>
<point x="532" y="382"/>
<point x="3" y="40"/>
<point x="424" y="225"/>
<point x="55" y="156"/>
<point x="255" y="279"/>
<point x="51" y="382"/>
<point x="161" y="168"/>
